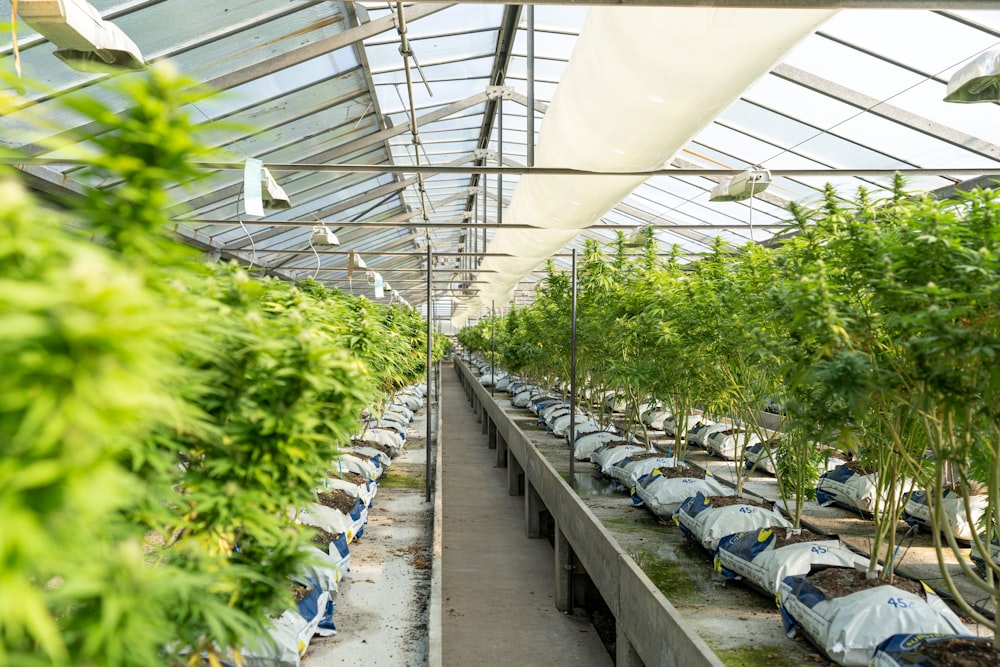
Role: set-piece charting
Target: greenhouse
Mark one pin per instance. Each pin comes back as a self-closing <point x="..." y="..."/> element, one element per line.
<point x="634" y="333"/>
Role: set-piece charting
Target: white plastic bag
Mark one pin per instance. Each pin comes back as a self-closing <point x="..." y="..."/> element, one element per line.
<point x="708" y="524"/>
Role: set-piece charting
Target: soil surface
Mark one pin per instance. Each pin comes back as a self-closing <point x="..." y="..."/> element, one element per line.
<point x="643" y="457"/>
<point x="300" y="592"/>
<point x="322" y="539"/>
<point x="337" y="500"/>
<point x="837" y="582"/>
<point x="726" y="501"/>
<point x="381" y="607"/>
<point x="855" y="466"/>
<point x="962" y="653"/>
<point x="679" y="472"/>
<point x="618" y="443"/>
<point x="783" y="537"/>
<point x="352" y="477"/>
<point x="385" y="449"/>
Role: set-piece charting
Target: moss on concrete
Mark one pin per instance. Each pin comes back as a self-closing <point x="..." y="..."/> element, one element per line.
<point x="628" y="525"/>
<point x="398" y="479"/>
<point x="759" y="656"/>
<point x="668" y="576"/>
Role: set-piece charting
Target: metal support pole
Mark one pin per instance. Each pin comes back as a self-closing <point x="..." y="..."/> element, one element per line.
<point x="572" y="380"/>
<point x="486" y="187"/>
<point x="493" y="346"/>
<point x="499" y="162"/>
<point x="531" y="86"/>
<point x="430" y="385"/>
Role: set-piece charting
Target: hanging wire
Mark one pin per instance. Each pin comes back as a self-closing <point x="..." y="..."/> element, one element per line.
<point x="239" y="196"/>
<point x="315" y="252"/>
<point x="253" y="246"/>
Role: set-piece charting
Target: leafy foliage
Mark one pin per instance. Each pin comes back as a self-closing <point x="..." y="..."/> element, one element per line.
<point x="163" y="420"/>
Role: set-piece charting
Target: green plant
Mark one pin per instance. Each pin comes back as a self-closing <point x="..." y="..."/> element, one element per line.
<point x="164" y="419"/>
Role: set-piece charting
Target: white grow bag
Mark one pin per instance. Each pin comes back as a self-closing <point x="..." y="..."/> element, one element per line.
<point x="522" y="399"/>
<point x="760" y="455"/>
<point x="560" y="425"/>
<point x="399" y="412"/>
<point x="664" y="495"/>
<point x="387" y="423"/>
<point x="365" y="491"/>
<point x="334" y="521"/>
<point x="849" y="489"/>
<point x="726" y="443"/>
<point x="848" y="629"/>
<point x="902" y="650"/>
<point x="385" y="437"/>
<point x="326" y="569"/>
<point x="346" y="462"/>
<point x="393" y="446"/>
<point x="707" y="525"/>
<point x="292" y="631"/>
<point x="699" y="433"/>
<point x="670" y="423"/>
<point x="918" y="512"/>
<point x="627" y="471"/>
<point x="586" y="445"/>
<point x="607" y="456"/>
<point x="374" y="454"/>
<point x="752" y="556"/>
<point x="655" y="417"/>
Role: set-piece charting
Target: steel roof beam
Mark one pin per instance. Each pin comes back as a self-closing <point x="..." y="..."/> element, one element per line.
<point x="347" y="204"/>
<point x="770" y="4"/>
<point x="887" y="111"/>
<point x="506" y="36"/>
<point x="403" y="221"/>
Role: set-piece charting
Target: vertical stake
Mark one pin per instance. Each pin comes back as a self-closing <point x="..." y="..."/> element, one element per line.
<point x="493" y="345"/>
<point x="429" y="394"/>
<point x="572" y="380"/>
<point x="500" y="160"/>
<point x="531" y="86"/>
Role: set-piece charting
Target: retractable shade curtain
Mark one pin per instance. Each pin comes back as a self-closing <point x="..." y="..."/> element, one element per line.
<point x="641" y="82"/>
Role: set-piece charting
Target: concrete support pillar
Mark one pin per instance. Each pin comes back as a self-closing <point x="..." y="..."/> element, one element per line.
<point x="625" y="654"/>
<point x="533" y="509"/>
<point x="485" y="419"/>
<point x="515" y="476"/>
<point x="564" y="572"/>
<point x="491" y="440"/>
<point x="501" y="451"/>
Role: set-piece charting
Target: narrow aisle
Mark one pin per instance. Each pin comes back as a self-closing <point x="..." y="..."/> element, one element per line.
<point x="498" y="605"/>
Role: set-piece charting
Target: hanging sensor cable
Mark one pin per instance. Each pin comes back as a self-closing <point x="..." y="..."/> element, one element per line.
<point x="315" y="252"/>
<point x="753" y="185"/>
<point x="239" y="218"/>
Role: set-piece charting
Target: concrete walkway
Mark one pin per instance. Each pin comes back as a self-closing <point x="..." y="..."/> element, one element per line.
<point x="498" y="605"/>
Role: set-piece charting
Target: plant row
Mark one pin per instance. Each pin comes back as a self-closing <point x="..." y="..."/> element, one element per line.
<point x="162" y="419"/>
<point x="819" y="583"/>
<point x="337" y="516"/>
<point x="873" y="329"/>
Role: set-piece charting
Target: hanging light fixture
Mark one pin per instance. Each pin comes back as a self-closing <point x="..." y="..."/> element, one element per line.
<point x="977" y="81"/>
<point x="83" y="39"/>
<point x="322" y="235"/>
<point x="742" y="186"/>
<point x="273" y="195"/>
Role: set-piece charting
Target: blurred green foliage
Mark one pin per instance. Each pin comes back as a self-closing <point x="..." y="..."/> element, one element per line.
<point x="162" y="420"/>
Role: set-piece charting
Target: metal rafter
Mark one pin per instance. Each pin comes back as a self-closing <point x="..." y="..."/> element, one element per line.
<point x="501" y="59"/>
